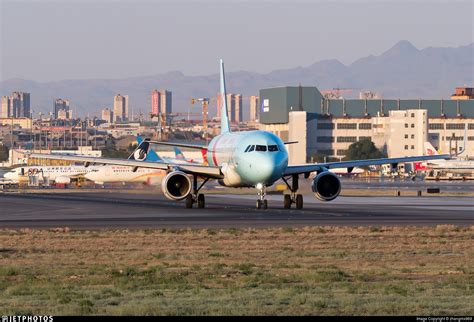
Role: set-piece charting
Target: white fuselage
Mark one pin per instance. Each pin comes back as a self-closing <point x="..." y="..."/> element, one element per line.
<point x="248" y="158"/>
<point x="50" y="172"/>
<point x="453" y="166"/>
<point x="116" y="173"/>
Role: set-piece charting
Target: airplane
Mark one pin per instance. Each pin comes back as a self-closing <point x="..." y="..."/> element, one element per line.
<point x="241" y="159"/>
<point x="118" y="173"/>
<point x="179" y="156"/>
<point x="454" y="166"/>
<point x="63" y="174"/>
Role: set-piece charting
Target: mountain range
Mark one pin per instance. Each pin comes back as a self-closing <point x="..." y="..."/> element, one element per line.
<point x="403" y="71"/>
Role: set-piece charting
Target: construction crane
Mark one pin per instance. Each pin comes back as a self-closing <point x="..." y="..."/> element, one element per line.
<point x="161" y="123"/>
<point x="205" y="107"/>
<point x="205" y="101"/>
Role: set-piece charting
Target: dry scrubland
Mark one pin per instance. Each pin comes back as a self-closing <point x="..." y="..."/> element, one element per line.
<point x="318" y="270"/>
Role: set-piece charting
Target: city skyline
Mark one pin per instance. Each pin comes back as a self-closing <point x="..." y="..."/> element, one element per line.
<point x="197" y="36"/>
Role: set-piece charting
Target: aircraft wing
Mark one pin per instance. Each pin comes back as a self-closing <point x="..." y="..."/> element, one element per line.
<point x="201" y="170"/>
<point x="307" y="168"/>
<point x="182" y="145"/>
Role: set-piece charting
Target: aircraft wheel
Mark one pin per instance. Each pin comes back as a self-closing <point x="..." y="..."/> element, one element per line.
<point x="299" y="201"/>
<point x="287" y="201"/>
<point x="259" y="204"/>
<point x="189" y="201"/>
<point x="201" y="201"/>
<point x="265" y="204"/>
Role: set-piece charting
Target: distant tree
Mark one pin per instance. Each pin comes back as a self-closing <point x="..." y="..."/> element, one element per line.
<point x="362" y="150"/>
<point x="112" y="153"/>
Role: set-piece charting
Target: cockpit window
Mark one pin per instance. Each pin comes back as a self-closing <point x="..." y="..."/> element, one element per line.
<point x="272" y="148"/>
<point x="246" y="150"/>
<point x="262" y="148"/>
<point x="251" y="148"/>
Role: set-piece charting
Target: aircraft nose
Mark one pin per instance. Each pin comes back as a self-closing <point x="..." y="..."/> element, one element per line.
<point x="267" y="168"/>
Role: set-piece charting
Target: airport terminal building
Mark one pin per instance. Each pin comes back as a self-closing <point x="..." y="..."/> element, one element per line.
<point x="327" y="127"/>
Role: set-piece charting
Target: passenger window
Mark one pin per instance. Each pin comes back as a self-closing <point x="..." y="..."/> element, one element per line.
<point x="261" y="148"/>
<point x="272" y="148"/>
<point x="251" y="148"/>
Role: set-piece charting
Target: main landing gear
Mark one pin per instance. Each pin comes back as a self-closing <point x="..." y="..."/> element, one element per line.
<point x="195" y="196"/>
<point x="261" y="201"/>
<point x="293" y="197"/>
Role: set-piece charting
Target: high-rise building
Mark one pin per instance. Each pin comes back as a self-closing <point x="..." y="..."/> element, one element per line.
<point x="165" y="102"/>
<point x="155" y="102"/>
<point x="121" y="107"/>
<point x="25" y="105"/>
<point x="61" y="104"/>
<point x="230" y="107"/>
<point x="6" y="107"/>
<point x="108" y="115"/>
<point x="254" y="105"/>
<point x="234" y="108"/>
<point x="238" y="108"/>
<point x="20" y="104"/>
<point x="15" y="103"/>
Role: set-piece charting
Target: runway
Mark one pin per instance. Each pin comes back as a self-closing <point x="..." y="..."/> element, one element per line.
<point x="124" y="210"/>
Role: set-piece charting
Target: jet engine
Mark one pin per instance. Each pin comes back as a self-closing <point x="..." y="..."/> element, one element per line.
<point x="326" y="186"/>
<point x="176" y="185"/>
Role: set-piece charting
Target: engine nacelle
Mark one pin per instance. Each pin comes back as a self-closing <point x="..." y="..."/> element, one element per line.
<point x="326" y="186"/>
<point x="176" y="185"/>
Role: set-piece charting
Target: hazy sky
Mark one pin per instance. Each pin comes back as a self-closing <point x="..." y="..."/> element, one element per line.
<point x="45" y="40"/>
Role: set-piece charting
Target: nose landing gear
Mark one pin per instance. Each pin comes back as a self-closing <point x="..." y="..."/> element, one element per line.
<point x="261" y="201"/>
<point x="293" y="197"/>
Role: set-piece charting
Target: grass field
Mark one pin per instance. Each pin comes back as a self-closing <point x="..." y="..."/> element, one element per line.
<point x="317" y="270"/>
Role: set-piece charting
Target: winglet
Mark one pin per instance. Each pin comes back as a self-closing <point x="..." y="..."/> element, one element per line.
<point x="225" y="127"/>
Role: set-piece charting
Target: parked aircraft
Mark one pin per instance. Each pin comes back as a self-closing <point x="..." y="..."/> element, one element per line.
<point x="241" y="159"/>
<point x="63" y="174"/>
<point x="454" y="166"/>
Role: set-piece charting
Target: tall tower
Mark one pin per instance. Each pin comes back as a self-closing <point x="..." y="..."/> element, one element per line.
<point x="254" y="100"/>
<point x="166" y="102"/>
<point x="121" y="107"/>
<point x="15" y="106"/>
<point x="108" y="115"/>
<point x="231" y="107"/>
<point x="238" y="108"/>
<point x="25" y="104"/>
<point x="155" y="102"/>
<point x="6" y="107"/>
<point x="61" y="104"/>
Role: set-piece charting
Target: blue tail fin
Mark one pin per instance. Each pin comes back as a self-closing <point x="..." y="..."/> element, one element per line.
<point x="143" y="152"/>
<point x="178" y="153"/>
<point x="225" y="127"/>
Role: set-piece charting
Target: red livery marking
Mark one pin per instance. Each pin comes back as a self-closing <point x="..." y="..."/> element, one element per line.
<point x="214" y="152"/>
